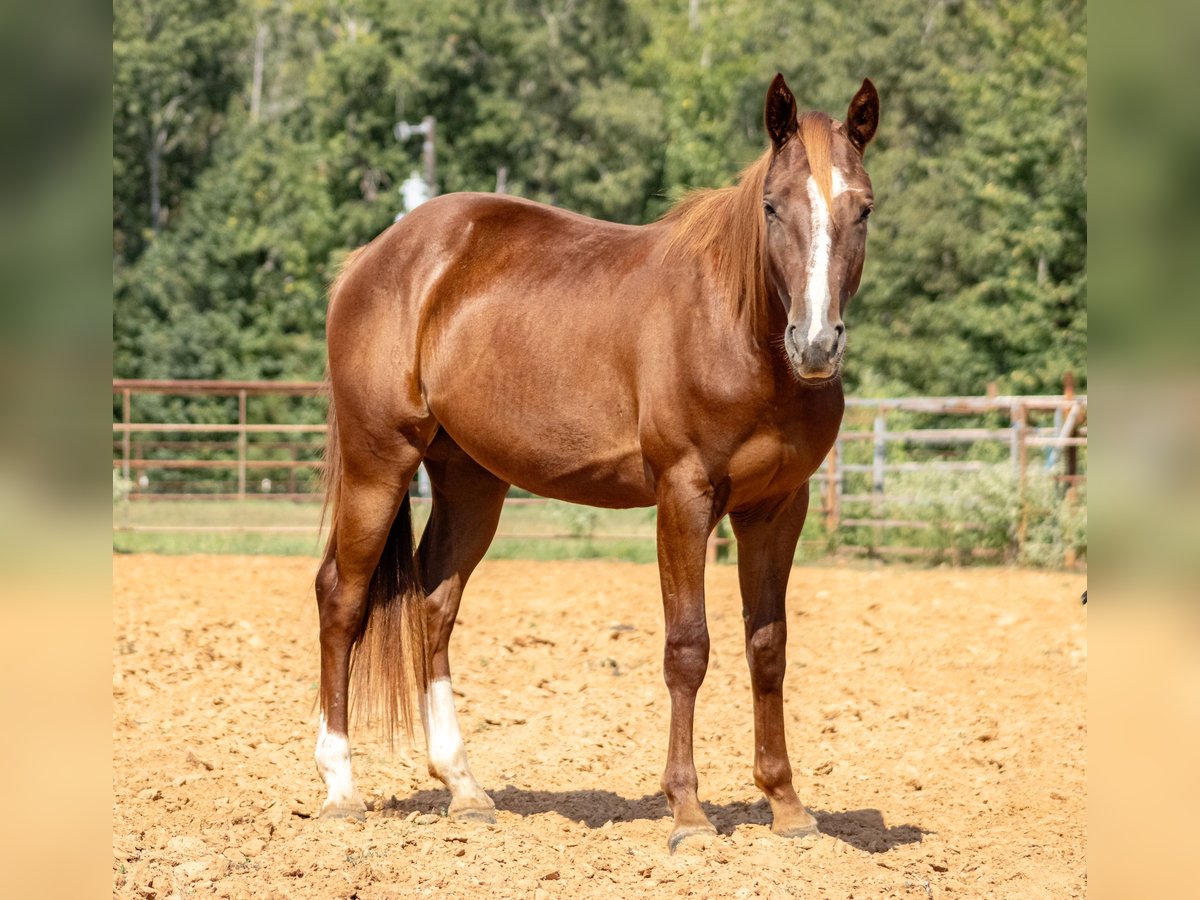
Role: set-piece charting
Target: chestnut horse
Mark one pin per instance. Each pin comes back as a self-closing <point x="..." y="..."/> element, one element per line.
<point x="693" y="364"/>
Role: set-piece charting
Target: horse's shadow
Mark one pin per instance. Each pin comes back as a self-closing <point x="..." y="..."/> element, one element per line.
<point x="863" y="829"/>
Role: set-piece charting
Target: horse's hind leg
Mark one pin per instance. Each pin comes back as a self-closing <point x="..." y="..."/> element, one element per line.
<point x="467" y="500"/>
<point x="372" y="488"/>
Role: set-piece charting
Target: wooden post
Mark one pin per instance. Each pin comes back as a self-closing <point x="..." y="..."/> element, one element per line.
<point x="1021" y="460"/>
<point x="126" y="417"/>
<point x="878" y="459"/>
<point x="1071" y="453"/>
<point x="1071" y="460"/>
<point x="242" y="444"/>
<point x="880" y="452"/>
<point x="833" y="512"/>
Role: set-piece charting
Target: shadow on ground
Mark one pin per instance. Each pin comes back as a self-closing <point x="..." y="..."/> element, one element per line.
<point x="863" y="829"/>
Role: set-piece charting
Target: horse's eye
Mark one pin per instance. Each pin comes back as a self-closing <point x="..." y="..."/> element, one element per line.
<point x="771" y="214"/>
<point x="866" y="213"/>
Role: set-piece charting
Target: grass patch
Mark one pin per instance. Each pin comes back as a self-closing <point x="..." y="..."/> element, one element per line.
<point x="959" y="512"/>
<point x="551" y="530"/>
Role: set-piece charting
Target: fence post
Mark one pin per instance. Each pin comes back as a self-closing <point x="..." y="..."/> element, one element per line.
<point x="1020" y="454"/>
<point x="832" y="491"/>
<point x="1071" y="459"/>
<point x="127" y="418"/>
<point x="880" y="452"/>
<point x="877" y="462"/>
<point x="242" y="444"/>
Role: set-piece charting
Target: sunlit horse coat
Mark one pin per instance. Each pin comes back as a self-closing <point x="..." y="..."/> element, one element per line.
<point x="692" y="364"/>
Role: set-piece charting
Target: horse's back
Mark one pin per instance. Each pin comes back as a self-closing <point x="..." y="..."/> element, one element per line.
<point x="496" y="238"/>
<point x="518" y="327"/>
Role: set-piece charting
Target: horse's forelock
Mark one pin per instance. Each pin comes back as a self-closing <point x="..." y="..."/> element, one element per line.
<point x="816" y="134"/>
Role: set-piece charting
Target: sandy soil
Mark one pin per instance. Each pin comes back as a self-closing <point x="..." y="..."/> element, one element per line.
<point x="936" y="722"/>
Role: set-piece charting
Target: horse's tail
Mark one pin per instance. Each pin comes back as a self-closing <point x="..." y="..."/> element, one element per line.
<point x="389" y="661"/>
<point x="389" y="664"/>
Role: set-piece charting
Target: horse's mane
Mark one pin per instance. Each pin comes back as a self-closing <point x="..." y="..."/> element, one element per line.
<point x="727" y="224"/>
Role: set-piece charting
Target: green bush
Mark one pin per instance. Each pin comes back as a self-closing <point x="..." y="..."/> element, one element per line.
<point x="121" y="488"/>
<point x="962" y="512"/>
<point x="1054" y="524"/>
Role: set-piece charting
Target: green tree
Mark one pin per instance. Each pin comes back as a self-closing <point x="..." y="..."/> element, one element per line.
<point x="544" y="90"/>
<point x="236" y="290"/>
<point x="267" y="128"/>
<point x="977" y="261"/>
<point x="175" y="68"/>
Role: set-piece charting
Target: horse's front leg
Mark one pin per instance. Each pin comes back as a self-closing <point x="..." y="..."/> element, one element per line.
<point x="766" y="540"/>
<point x="685" y="517"/>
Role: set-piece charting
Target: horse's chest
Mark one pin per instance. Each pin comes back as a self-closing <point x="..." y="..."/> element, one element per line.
<point x="772" y="461"/>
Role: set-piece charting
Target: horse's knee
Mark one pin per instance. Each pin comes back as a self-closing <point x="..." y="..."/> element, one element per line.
<point x="766" y="651"/>
<point x="685" y="660"/>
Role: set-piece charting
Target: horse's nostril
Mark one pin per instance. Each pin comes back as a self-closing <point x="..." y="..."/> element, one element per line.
<point x="789" y="339"/>
<point x="839" y="332"/>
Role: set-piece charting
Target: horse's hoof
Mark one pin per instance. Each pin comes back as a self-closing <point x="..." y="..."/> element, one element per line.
<point x="344" y="811"/>
<point x="794" y="822"/>
<point x="483" y="816"/>
<point x="798" y="831"/>
<point x="683" y="832"/>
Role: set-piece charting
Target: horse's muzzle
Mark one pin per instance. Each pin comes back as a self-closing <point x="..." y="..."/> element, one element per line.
<point x="818" y="359"/>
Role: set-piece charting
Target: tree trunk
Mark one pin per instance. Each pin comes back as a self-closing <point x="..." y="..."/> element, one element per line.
<point x="156" y="132"/>
<point x="260" y="40"/>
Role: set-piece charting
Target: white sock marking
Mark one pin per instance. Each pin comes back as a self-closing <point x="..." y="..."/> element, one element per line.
<point x="447" y="755"/>
<point x="333" y="762"/>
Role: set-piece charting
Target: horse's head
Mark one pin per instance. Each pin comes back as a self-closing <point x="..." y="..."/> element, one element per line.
<point x="816" y="199"/>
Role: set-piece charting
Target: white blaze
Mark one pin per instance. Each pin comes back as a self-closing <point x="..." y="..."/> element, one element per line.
<point x="817" y="293"/>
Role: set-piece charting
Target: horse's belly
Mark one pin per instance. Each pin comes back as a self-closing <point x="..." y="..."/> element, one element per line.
<point x="573" y="461"/>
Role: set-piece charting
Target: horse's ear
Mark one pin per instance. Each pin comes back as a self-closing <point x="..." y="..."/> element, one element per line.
<point x="862" y="118"/>
<point x="780" y="113"/>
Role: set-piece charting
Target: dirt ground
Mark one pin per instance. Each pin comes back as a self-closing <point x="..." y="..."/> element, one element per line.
<point x="936" y="723"/>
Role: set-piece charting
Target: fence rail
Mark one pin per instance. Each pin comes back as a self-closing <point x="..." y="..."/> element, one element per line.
<point x="849" y="489"/>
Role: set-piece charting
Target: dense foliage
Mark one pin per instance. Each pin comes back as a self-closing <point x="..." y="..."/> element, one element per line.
<point x="253" y="145"/>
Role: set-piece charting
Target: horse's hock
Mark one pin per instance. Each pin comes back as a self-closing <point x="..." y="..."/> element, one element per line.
<point x="937" y="729"/>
